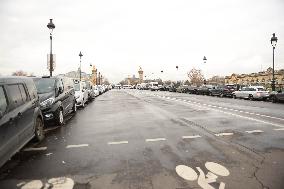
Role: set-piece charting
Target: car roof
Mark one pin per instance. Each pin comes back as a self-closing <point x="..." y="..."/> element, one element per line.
<point x="15" y="79"/>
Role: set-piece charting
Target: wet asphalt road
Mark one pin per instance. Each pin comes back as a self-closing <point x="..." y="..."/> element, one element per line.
<point x="137" y="139"/>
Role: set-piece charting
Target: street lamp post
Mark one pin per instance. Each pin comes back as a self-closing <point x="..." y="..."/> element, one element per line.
<point x="80" y="54"/>
<point x="273" y="42"/>
<point x="50" y="26"/>
<point x="204" y="60"/>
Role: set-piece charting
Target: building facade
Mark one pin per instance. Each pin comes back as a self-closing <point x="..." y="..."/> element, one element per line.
<point x="140" y="72"/>
<point x="263" y="78"/>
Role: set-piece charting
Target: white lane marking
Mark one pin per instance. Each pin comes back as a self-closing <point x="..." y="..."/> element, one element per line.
<point x="48" y="154"/>
<point x="35" y="149"/>
<point x="118" y="142"/>
<point x="254" y="131"/>
<point x="224" y="134"/>
<point x="186" y="172"/>
<point x="155" y="139"/>
<point x="184" y="100"/>
<point x="280" y="129"/>
<point x="61" y="183"/>
<point x="37" y="184"/>
<point x="217" y="169"/>
<point x="77" y="146"/>
<point x="193" y="136"/>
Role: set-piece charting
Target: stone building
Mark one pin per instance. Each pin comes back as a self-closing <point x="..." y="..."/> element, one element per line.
<point x="261" y="78"/>
<point x="140" y="72"/>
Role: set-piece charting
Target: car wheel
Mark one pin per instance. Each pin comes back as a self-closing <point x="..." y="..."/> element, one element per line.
<point x="39" y="132"/>
<point x="59" y="117"/>
<point x="234" y="97"/>
<point x="250" y="97"/>
<point x="83" y="103"/>
<point x="221" y="95"/>
<point x="274" y="99"/>
<point x="74" y="109"/>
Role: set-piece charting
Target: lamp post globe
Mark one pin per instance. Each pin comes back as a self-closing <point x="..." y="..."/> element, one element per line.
<point x="273" y="42"/>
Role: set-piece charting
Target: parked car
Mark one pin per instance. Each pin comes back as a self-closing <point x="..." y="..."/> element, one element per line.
<point x="91" y="94"/>
<point x="277" y="97"/>
<point x="182" y="89"/>
<point x="172" y="88"/>
<point x="228" y="90"/>
<point x="20" y="115"/>
<point x="153" y="86"/>
<point x="57" y="98"/>
<point x="81" y="94"/>
<point x="204" y="90"/>
<point x="222" y="91"/>
<point x="96" y="90"/>
<point x="252" y="93"/>
<point x="192" y="89"/>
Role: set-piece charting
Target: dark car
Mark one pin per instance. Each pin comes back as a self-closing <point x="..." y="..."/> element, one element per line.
<point x="57" y="98"/>
<point x="192" y="89"/>
<point x="204" y="90"/>
<point x="277" y="97"/>
<point x="216" y="91"/>
<point x="228" y="90"/>
<point x="172" y="88"/>
<point x="182" y="89"/>
<point x="20" y="115"/>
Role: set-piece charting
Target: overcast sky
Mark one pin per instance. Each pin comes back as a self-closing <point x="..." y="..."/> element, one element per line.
<point x="118" y="36"/>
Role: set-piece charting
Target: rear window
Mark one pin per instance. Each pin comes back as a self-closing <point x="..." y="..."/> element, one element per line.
<point x="44" y="85"/>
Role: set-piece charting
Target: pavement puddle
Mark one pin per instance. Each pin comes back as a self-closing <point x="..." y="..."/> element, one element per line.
<point x="254" y="131"/>
<point x="224" y="134"/>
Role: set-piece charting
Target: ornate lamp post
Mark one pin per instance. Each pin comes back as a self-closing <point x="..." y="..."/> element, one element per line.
<point x="204" y="60"/>
<point x="80" y="54"/>
<point x="51" y="26"/>
<point x="273" y="42"/>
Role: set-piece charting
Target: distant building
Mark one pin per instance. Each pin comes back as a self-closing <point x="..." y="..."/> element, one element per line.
<point x="263" y="78"/>
<point x="140" y="72"/>
<point x="76" y="75"/>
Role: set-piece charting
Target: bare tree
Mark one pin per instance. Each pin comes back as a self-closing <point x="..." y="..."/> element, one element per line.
<point x="195" y="77"/>
<point x="19" y="73"/>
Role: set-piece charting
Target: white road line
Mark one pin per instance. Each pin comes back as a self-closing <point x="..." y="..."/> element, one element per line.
<point x="193" y="136"/>
<point x="77" y="146"/>
<point x="280" y="129"/>
<point x="224" y="134"/>
<point x="118" y="142"/>
<point x="254" y="131"/>
<point x="155" y="139"/>
<point x="35" y="149"/>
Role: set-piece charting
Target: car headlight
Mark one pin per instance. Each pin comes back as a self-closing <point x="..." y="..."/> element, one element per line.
<point x="48" y="102"/>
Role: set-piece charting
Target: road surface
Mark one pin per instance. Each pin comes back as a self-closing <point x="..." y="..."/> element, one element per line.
<point x="128" y="139"/>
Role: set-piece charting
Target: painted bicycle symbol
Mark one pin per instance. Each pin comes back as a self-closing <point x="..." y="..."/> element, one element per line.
<point x="204" y="181"/>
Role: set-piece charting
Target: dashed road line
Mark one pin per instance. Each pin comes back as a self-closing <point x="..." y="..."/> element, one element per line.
<point x="155" y="139"/>
<point x="35" y="149"/>
<point x="280" y="129"/>
<point x="77" y="146"/>
<point x="191" y="137"/>
<point x="118" y="142"/>
<point x="224" y="134"/>
<point x="254" y="131"/>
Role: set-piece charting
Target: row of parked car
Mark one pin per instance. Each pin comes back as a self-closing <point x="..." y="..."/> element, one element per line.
<point x="232" y="91"/>
<point x="27" y="104"/>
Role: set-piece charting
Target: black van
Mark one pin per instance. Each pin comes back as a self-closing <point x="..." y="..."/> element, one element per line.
<point x="20" y="115"/>
<point x="57" y="98"/>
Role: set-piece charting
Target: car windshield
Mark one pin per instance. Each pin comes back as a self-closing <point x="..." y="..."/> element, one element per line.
<point x="44" y="85"/>
<point x="77" y="87"/>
